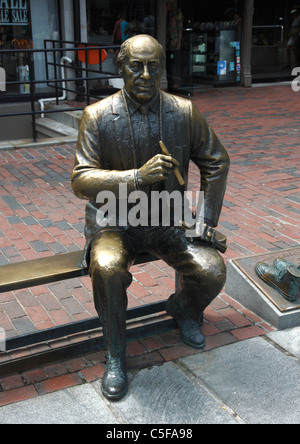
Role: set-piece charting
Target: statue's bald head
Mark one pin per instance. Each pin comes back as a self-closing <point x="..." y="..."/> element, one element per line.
<point x="140" y="64"/>
<point x="143" y="42"/>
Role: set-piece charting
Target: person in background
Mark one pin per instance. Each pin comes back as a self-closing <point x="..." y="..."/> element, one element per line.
<point x="124" y="32"/>
<point x="174" y="42"/>
<point x="232" y="14"/>
<point x="117" y="36"/>
<point x="293" y="46"/>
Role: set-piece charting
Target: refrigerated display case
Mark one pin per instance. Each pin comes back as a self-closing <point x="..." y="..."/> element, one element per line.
<point x="210" y="56"/>
<point x="216" y="56"/>
<point x="199" y="54"/>
<point x="229" y="63"/>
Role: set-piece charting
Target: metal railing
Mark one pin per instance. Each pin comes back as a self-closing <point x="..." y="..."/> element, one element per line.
<point x="54" y="59"/>
<point x="274" y="27"/>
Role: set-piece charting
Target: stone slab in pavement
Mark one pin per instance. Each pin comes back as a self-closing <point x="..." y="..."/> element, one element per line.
<point x="160" y="395"/>
<point x="289" y="340"/>
<point x="256" y="379"/>
<point x="75" y="405"/>
<point x="251" y="382"/>
<point x="166" y="395"/>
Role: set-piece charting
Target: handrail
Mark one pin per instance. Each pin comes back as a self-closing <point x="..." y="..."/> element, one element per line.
<point x="61" y="85"/>
<point x="271" y="26"/>
<point x="75" y="48"/>
<point x="64" y="96"/>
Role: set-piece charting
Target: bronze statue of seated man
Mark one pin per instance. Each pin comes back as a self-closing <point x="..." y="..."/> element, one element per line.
<point x="119" y="144"/>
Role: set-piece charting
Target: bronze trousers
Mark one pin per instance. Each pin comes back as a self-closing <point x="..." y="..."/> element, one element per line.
<point x="201" y="275"/>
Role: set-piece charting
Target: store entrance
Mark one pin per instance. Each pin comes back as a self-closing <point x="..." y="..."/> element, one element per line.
<point x="275" y="50"/>
<point x="15" y="33"/>
<point x="209" y="51"/>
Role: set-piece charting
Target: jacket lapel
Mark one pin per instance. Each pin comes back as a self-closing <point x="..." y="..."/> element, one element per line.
<point x="123" y="131"/>
<point x="168" y="124"/>
<point x="169" y="136"/>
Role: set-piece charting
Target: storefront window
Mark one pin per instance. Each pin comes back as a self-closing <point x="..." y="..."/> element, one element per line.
<point x="274" y="50"/>
<point x="203" y="43"/>
<point x="45" y="25"/>
<point x="15" y="33"/>
<point x="113" y="21"/>
<point x="24" y="24"/>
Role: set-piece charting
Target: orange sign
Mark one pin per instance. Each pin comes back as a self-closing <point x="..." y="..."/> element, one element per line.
<point x="92" y="55"/>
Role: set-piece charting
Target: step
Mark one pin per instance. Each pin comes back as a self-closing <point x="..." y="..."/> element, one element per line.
<point x="52" y="128"/>
<point x="69" y="118"/>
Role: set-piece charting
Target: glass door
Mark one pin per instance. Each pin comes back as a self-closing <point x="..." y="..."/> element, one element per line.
<point x="25" y="24"/>
<point x="179" y="43"/>
<point x="272" y="55"/>
<point x="45" y="26"/>
<point x="15" y="33"/>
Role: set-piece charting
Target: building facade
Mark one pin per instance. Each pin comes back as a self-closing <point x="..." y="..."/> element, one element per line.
<point x="222" y="42"/>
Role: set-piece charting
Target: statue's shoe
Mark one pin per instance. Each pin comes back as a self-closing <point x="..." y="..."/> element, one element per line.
<point x="191" y="334"/>
<point x="283" y="264"/>
<point x="190" y="330"/>
<point x="114" y="382"/>
<point x="284" y="277"/>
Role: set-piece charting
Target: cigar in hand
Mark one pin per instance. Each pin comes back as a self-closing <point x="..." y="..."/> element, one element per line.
<point x="176" y="170"/>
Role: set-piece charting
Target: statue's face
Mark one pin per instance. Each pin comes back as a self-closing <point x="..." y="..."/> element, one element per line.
<point x="142" y="69"/>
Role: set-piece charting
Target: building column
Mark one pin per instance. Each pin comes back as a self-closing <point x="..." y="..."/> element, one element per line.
<point x="246" y="75"/>
<point x="67" y="20"/>
<point x="68" y="34"/>
<point x="161" y="27"/>
<point x="83" y="21"/>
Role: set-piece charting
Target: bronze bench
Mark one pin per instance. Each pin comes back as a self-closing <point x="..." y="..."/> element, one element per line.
<point x="60" y="267"/>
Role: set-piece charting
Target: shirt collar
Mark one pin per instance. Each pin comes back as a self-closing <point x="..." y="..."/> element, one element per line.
<point x="134" y="106"/>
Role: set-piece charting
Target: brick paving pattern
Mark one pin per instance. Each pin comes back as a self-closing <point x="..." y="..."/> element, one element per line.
<point x="40" y="216"/>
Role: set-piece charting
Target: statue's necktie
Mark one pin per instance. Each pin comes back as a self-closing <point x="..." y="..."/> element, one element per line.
<point x="144" y="109"/>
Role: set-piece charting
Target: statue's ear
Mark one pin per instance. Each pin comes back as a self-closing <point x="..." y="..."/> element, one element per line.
<point x="120" y="68"/>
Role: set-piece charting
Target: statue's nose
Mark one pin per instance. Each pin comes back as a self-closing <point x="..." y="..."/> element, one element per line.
<point x="145" y="74"/>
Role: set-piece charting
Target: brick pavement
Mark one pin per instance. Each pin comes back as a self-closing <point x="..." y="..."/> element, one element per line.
<point x="40" y="216"/>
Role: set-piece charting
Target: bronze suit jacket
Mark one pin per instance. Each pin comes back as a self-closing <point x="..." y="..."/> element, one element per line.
<point x="104" y="155"/>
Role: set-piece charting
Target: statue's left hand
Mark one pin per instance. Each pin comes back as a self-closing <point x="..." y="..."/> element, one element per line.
<point x="208" y="233"/>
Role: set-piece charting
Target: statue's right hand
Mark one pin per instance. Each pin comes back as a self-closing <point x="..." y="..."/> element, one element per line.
<point x="156" y="169"/>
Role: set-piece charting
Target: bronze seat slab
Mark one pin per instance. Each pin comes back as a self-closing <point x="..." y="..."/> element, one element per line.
<point x="60" y="267"/>
<point x="40" y="271"/>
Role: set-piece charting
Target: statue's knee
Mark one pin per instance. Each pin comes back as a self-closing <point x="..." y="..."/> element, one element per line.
<point x="211" y="273"/>
<point x="107" y="264"/>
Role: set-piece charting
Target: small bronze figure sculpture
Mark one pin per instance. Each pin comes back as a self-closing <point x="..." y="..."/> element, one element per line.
<point x="283" y="276"/>
<point x="119" y="143"/>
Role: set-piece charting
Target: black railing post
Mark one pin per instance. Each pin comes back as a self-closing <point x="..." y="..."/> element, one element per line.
<point x="87" y="75"/>
<point x="32" y="90"/>
<point x="55" y="71"/>
<point x="77" y="20"/>
<point x="80" y="88"/>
